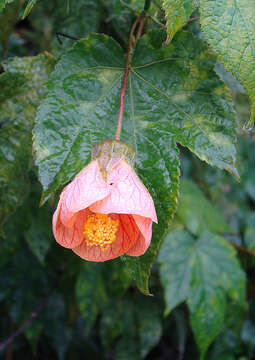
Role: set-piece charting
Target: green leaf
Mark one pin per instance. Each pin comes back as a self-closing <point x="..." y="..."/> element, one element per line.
<point x="228" y="26"/>
<point x="90" y="292"/>
<point x="97" y="284"/>
<point x="177" y="14"/>
<point x="38" y="237"/>
<point x="3" y="3"/>
<point x="173" y="96"/>
<point x="197" y="213"/>
<point x="30" y="5"/>
<point x="8" y="18"/>
<point x="203" y="273"/>
<point x="50" y="17"/>
<point x="136" y="325"/>
<point x="21" y="91"/>
<point x="249" y="235"/>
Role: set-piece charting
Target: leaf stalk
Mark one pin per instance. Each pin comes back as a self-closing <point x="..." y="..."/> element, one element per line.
<point x="131" y="42"/>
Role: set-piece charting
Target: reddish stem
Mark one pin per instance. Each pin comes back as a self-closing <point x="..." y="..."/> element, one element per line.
<point x="140" y="29"/>
<point x="139" y="19"/>
<point x="194" y="19"/>
<point x="122" y="99"/>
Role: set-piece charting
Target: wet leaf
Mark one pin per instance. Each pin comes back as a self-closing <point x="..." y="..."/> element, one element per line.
<point x="173" y="96"/>
<point x="203" y="273"/>
<point x="228" y="26"/>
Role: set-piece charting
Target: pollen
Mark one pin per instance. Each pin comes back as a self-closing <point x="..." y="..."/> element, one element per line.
<point x="100" y="231"/>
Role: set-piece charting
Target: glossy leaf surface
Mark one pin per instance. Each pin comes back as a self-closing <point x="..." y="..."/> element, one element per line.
<point x="228" y="26"/>
<point x="173" y="96"/>
<point x="203" y="273"/>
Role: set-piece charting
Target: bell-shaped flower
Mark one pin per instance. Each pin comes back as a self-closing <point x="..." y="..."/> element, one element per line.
<point x="105" y="211"/>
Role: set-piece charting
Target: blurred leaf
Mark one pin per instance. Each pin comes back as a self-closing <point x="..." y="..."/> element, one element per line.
<point x="3" y="3"/>
<point x="134" y="323"/>
<point x="228" y="26"/>
<point x="192" y="107"/>
<point x="248" y="334"/>
<point x="90" y="292"/>
<point x="30" y="5"/>
<point x="21" y="91"/>
<point x="50" y="17"/>
<point x="97" y="284"/>
<point x="56" y="327"/>
<point x="177" y="14"/>
<point x="38" y="236"/>
<point x="8" y="18"/>
<point x="203" y="273"/>
<point x="197" y="213"/>
<point x="249" y="235"/>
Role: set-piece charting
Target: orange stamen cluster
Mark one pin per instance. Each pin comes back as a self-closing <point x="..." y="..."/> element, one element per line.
<point x="100" y="230"/>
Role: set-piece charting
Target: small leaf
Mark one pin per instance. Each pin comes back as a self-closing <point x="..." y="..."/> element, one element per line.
<point x="228" y="26"/>
<point x="177" y="14"/>
<point x="203" y="273"/>
<point x="197" y="213"/>
<point x="173" y="96"/>
<point x="30" y="5"/>
<point x="21" y="90"/>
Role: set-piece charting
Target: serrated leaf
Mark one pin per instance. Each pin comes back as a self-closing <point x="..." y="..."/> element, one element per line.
<point x="177" y="14"/>
<point x="172" y="96"/>
<point x="228" y="26"/>
<point x="203" y="273"/>
<point x="197" y="213"/>
<point x="21" y="91"/>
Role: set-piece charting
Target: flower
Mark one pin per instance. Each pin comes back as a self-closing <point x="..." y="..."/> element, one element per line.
<point x="105" y="211"/>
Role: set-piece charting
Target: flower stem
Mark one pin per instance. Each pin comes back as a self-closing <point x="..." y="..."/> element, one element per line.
<point x="139" y="19"/>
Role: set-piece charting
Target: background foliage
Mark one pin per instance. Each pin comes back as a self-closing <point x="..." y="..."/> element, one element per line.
<point x="182" y="106"/>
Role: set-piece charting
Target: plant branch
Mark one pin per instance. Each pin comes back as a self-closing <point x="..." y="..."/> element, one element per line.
<point x="194" y="19"/>
<point x="243" y="249"/>
<point x="138" y="20"/>
<point x="31" y="317"/>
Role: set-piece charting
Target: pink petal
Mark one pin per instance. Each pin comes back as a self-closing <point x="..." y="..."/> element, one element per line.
<point x="127" y="235"/>
<point x="128" y="194"/>
<point x="86" y="188"/>
<point x="68" y="237"/>
<point x="144" y="238"/>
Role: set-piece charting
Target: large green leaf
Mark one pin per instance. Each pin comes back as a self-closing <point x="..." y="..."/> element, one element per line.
<point x="177" y="14"/>
<point x="203" y="273"/>
<point x="229" y="27"/>
<point x="197" y="213"/>
<point x="173" y="95"/>
<point x="21" y="91"/>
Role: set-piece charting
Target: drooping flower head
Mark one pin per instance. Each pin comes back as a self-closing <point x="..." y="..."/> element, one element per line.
<point x="106" y="211"/>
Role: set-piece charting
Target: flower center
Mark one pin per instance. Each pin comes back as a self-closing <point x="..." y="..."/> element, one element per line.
<point x="100" y="230"/>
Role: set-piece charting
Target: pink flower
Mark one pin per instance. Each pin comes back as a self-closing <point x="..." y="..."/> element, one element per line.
<point x="104" y="213"/>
